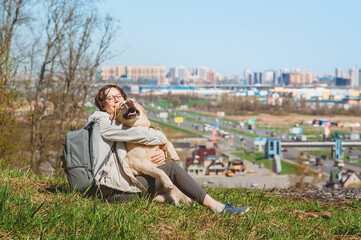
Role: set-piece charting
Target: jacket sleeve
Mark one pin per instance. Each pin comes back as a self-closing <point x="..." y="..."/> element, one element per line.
<point x="142" y="135"/>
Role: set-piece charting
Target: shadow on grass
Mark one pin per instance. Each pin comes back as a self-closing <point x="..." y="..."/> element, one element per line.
<point x="56" y="188"/>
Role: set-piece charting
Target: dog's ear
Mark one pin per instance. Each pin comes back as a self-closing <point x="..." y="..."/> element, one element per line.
<point x="145" y="114"/>
<point x="115" y="113"/>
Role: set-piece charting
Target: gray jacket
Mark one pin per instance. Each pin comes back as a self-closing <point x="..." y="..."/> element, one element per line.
<point x="115" y="173"/>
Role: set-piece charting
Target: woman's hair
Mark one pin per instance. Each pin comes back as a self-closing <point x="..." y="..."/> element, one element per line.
<point x="102" y="96"/>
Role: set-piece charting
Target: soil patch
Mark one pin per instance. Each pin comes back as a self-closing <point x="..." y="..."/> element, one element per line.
<point x="329" y="195"/>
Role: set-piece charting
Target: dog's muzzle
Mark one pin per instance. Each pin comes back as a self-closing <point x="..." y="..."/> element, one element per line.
<point x="130" y="110"/>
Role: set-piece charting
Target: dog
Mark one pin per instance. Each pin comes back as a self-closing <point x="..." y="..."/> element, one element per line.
<point x="132" y="114"/>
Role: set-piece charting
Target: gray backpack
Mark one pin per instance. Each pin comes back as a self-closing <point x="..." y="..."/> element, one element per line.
<point x="77" y="159"/>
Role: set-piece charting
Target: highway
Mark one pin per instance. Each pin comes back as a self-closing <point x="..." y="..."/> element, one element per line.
<point x="242" y="140"/>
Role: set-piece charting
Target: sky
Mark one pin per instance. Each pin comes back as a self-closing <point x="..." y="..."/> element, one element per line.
<point x="232" y="35"/>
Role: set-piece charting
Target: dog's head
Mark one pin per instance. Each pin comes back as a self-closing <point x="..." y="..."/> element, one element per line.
<point x="131" y="114"/>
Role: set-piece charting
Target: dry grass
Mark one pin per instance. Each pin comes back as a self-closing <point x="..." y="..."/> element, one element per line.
<point x="291" y="119"/>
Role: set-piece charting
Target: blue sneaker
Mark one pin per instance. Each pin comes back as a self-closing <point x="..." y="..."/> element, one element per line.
<point x="230" y="209"/>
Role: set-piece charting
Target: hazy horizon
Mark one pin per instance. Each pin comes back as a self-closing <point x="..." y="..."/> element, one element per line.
<point x="229" y="36"/>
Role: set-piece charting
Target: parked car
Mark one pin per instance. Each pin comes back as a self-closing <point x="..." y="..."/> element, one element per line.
<point x="319" y="161"/>
<point x="284" y="149"/>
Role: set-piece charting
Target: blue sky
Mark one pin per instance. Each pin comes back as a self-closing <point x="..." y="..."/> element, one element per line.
<point x="231" y="35"/>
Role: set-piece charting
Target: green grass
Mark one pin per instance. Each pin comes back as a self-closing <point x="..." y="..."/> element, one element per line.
<point x="321" y="152"/>
<point x="34" y="207"/>
<point x="319" y="139"/>
<point x="200" y="102"/>
<point x="163" y="103"/>
<point x="313" y="132"/>
<point x="210" y="116"/>
<point x="174" y="127"/>
<point x="171" y="115"/>
<point x="287" y="168"/>
<point x="153" y="110"/>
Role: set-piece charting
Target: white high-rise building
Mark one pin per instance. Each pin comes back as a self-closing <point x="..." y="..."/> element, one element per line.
<point x="340" y="73"/>
<point x="354" y="75"/>
<point x="247" y="76"/>
<point x="268" y="77"/>
<point x="277" y="77"/>
<point x="295" y="70"/>
<point x="202" y="75"/>
<point x="178" y="74"/>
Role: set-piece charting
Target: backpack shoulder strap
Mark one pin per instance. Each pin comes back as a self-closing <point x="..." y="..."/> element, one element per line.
<point x="112" y="149"/>
<point x="90" y="125"/>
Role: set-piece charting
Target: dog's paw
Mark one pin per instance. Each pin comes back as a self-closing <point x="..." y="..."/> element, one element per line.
<point x="168" y="185"/>
<point x="173" y="156"/>
<point x="160" y="198"/>
<point x="175" y="159"/>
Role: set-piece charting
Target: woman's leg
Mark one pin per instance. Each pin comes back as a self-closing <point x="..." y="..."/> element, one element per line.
<point x="179" y="177"/>
<point x="184" y="182"/>
<point x="189" y="187"/>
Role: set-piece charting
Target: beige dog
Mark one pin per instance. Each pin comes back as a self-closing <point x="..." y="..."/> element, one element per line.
<point x="132" y="114"/>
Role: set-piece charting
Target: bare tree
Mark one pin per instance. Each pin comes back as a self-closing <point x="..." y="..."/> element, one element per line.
<point x="12" y="15"/>
<point x="68" y="64"/>
<point x="57" y="23"/>
<point x="80" y="61"/>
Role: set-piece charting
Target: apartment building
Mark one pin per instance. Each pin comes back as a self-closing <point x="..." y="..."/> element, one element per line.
<point x="109" y="72"/>
<point x="301" y="78"/>
<point x="148" y="72"/>
<point x="135" y="73"/>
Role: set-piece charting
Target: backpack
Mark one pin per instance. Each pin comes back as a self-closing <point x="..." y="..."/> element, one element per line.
<point x="77" y="159"/>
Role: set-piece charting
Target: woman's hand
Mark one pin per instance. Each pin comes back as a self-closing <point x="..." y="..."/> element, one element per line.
<point x="158" y="157"/>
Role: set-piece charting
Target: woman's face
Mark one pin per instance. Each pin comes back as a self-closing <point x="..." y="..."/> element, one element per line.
<point x="113" y="99"/>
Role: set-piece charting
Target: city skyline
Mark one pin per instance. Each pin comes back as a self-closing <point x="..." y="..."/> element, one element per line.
<point x="180" y="75"/>
<point x="234" y="35"/>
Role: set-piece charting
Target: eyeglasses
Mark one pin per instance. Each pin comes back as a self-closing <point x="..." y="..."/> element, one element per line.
<point x="111" y="98"/>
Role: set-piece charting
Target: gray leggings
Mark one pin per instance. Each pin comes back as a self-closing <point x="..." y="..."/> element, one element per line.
<point x="178" y="176"/>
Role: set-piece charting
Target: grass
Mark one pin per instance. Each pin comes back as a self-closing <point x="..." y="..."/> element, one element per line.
<point x="200" y="102"/>
<point x="287" y="168"/>
<point x="276" y="128"/>
<point x="210" y="116"/>
<point x="326" y="153"/>
<point x="35" y="207"/>
<point x="153" y="110"/>
<point x="160" y="123"/>
<point x="162" y="103"/>
<point x="171" y="115"/>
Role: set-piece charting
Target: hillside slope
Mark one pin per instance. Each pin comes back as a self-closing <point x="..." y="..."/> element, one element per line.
<point x="43" y="207"/>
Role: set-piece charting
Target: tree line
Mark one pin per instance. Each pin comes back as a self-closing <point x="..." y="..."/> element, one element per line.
<point x="240" y="105"/>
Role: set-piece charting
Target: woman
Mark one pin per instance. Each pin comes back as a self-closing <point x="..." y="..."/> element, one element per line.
<point x="113" y="175"/>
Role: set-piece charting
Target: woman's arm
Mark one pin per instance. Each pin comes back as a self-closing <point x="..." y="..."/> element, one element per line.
<point x="142" y="135"/>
